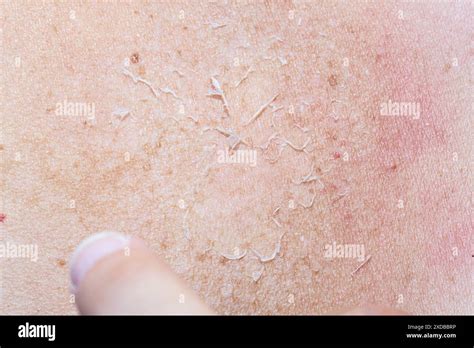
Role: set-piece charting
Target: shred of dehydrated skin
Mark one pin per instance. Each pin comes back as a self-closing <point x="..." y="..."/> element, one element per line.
<point x="361" y="265"/>
<point x="296" y="147"/>
<point x="233" y="139"/>
<point x="254" y="268"/>
<point x="261" y="110"/>
<point x="283" y="60"/>
<point x="308" y="178"/>
<point x="218" y="92"/>
<point x="216" y="25"/>
<point x="167" y="90"/>
<point x="121" y="112"/>
<point x="245" y="77"/>
<point x="310" y="204"/>
<point x="273" y="255"/>
<point x="140" y="80"/>
<point x="237" y="255"/>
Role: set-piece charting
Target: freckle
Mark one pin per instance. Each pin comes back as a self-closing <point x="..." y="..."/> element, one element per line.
<point x="351" y="30"/>
<point x="61" y="262"/>
<point x="447" y="67"/>
<point x="149" y="150"/>
<point x="332" y="80"/>
<point x="141" y="70"/>
<point x="2" y="217"/>
<point x="135" y="58"/>
<point x="1" y="147"/>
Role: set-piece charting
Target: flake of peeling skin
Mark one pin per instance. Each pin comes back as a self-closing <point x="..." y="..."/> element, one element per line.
<point x="275" y="253"/>
<point x="218" y="92"/>
<point x="257" y="274"/>
<point x="261" y="110"/>
<point x="136" y="80"/>
<point x="361" y="265"/>
<point x="236" y="255"/>
<point x="249" y="70"/>
<point x="254" y="268"/>
<point x="232" y="138"/>
<point x="283" y="60"/>
<point x="216" y="25"/>
<point x="121" y="112"/>
<point x="167" y="90"/>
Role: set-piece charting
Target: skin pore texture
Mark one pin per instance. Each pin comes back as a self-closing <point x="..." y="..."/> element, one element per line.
<point x="297" y="91"/>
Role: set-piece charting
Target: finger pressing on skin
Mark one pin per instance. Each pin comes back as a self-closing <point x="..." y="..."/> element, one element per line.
<point x="115" y="274"/>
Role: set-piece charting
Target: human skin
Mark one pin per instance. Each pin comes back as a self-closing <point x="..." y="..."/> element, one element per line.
<point x="399" y="186"/>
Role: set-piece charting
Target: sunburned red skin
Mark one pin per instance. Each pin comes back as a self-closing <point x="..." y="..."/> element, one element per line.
<point x="406" y="72"/>
<point x="411" y="152"/>
<point x="389" y="183"/>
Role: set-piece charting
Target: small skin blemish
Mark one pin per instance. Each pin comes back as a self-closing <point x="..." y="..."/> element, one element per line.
<point x="2" y="217"/>
<point x="332" y="80"/>
<point x="135" y="58"/>
<point x="61" y="262"/>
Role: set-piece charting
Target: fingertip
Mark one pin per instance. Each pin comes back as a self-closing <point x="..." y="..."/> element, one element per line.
<point x="112" y="273"/>
<point x="91" y="250"/>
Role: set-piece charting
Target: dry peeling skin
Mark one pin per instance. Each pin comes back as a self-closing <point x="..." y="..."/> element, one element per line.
<point x="302" y="87"/>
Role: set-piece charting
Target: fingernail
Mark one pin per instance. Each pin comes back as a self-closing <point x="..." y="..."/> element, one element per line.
<point x="91" y="250"/>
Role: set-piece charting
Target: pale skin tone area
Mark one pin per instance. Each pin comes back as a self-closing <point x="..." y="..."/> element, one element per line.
<point x="403" y="190"/>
